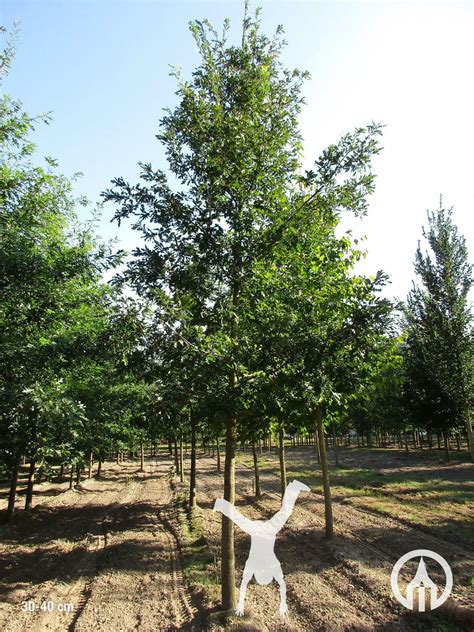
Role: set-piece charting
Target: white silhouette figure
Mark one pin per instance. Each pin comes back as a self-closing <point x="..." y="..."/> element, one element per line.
<point x="262" y="561"/>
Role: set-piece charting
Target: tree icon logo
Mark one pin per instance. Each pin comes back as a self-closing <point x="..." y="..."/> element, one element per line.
<point x="422" y="582"/>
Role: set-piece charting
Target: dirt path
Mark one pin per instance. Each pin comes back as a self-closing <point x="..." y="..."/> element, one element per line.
<point x="107" y="550"/>
<point x="341" y="585"/>
<point x="106" y="557"/>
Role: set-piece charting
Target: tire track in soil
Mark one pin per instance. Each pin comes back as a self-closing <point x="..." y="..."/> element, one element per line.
<point x="164" y="522"/>
<point x="82" y="576"/>
<point x="164" y="602"/>
<point x="83" y="587"/>
<point x="81" y="565"/>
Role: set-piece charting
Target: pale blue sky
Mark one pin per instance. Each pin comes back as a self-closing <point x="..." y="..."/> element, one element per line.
<point x="102" y="67"/>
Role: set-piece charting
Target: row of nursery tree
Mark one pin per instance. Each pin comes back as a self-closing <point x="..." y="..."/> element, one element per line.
<point x="240" y="315"/>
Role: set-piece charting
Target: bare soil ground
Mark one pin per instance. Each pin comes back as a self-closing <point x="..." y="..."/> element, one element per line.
<point x="106" y="548"/>
<point x="345" y="584"/>
<point x="112" y="548"/>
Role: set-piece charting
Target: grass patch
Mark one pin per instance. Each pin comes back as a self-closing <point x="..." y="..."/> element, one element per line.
<point x="201" y="571"/>
<point x="423" y="498"/>
<point x="199" y="566"/>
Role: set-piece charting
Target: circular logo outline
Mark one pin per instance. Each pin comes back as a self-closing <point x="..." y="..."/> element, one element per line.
<point x="421" y="553"/>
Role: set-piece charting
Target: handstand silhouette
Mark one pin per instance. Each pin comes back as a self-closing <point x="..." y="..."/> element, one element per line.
<point x="262" y="561"/>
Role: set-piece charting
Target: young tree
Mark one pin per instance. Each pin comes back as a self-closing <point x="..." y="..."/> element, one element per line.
<point x="243" y="210"/>
<point x="439" y="354"/>
<point x="233" y="145"/>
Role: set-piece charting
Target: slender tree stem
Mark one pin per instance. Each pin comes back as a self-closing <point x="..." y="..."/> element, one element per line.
<point x="325" y="474"/>
<point x="227" y="540"/>
<point x="29" y="489"/>
<point x="13" y="486"/>
<point x="282" y="462"/>
<point x="192" y="474"/>
<point x="256" y="470"/>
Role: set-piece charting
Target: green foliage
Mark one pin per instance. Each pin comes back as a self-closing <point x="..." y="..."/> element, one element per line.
<point x="252" y="291"/>
<point x="60" y="352"/>
<point x="439" y="348"/>
<point x="378" y="404"/>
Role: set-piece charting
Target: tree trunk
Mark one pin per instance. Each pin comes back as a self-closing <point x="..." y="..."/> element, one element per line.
<point x="257" y="473"/>
<point x="181" y="467"/>
<point x="142" y="457"/>
<point x="227" y="539"/>
<point x="61" y="471"/>
<point x="78" y="477"/>
<point x="29" y="488"/>
<point x="470" y="436"/>
<point x="446" y="445"/>
<point x="118" y="458"/>
<point x="13" y="486"/>
<point x="89" y="473"/>
<point x="192" y="473"/>
<point x="282" y="462"/>
<point x="218" y="447"/>
<point x="334" y="440"/>
<point x="99" y="466"/>
<point x="316" y="446"/>
<point x="325" y="473"/>
<point x="71" y="477"/>
<point x="176" y="459"/>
